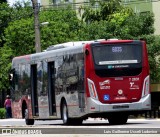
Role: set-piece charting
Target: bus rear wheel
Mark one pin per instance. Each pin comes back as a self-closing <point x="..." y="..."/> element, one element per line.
<point x="118" y="119"/>
<point x="27" y="120"/>
<point x="76" y="121"/>
<point x="65" y="117"/>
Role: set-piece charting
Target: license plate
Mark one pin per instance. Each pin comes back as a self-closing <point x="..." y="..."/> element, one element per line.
<point x="119" y="106"/>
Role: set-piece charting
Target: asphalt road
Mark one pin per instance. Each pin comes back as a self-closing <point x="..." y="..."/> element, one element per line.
<point x="141" y="123"/>
<point x="89" y="128"/>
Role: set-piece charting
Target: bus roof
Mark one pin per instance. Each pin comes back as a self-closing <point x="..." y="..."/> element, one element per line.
<point x="56" y="50"/>
<point x="67" y="44"/>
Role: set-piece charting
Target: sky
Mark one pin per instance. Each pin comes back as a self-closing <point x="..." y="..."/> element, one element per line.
<point x="11" y="2"/>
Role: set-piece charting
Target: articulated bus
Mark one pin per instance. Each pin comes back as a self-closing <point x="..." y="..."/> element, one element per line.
<point x="76" y="80"/>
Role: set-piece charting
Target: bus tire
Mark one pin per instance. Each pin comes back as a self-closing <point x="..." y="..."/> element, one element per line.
<point x="65" y="117"/>
<point x="27" y="120"/>
<point x="118" y="120"/>
<point x="76" y="121"/>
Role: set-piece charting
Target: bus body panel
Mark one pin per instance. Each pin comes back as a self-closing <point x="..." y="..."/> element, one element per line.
<point x="95" y="106"/>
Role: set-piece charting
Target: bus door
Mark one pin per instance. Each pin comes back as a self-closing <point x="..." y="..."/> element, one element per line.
<point x="51" y="88"/>
<point x="42" y="87"/>
<point x="34" y="94"/>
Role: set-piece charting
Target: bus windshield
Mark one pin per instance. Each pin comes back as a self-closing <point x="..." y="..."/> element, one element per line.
<point x="120" y="59"/>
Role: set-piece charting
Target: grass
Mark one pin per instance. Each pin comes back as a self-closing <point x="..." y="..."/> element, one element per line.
<point x="2" y="113"/>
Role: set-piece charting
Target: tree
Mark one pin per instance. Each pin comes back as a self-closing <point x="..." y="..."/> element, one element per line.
<point x="19" y="36"/>
<point x="105" y="9"/>
<point x="5" y="65"/>
<point x="123" y="22"/>
<point x="5" y="16"/>
<point x="139" y="24"/>
<point x="1" y="1"/>
<point x="154" y="58"/>
<point x="62" y="27"/>
<point x="8" y="15"/>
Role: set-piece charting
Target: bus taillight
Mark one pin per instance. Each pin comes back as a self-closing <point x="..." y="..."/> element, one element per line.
<point x="146" y="87"/>
<point x="92" y="89"/>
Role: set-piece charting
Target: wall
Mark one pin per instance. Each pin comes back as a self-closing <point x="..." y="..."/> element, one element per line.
<point x="156" y="11"/>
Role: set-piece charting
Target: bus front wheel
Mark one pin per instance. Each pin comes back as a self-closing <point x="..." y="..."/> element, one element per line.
<point x="27" y="120"/>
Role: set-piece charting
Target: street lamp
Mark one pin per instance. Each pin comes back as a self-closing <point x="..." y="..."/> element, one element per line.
<point x="44" y="23"/>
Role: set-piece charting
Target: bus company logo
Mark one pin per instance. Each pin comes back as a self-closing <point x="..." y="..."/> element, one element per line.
<point x="105" y="84"/>
<point x="133" y="86"/>
<point x="120" y="91"/>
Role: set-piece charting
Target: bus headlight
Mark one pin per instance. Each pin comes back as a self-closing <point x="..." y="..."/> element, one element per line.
<point x="92" y="89"/>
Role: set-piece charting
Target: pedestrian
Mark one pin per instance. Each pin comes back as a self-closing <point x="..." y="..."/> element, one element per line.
<point x="7" y="105"/>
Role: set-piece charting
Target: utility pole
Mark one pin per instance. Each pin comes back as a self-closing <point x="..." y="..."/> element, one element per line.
<point x="36" y="25"/>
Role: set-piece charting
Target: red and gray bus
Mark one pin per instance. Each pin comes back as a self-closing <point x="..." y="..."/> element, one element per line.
<point x="77" y="80"/>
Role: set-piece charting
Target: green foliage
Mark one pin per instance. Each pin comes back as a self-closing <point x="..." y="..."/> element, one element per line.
<point x="2" y="113"/>
<point x="20" y="34"/>
<point x="106" y="10"/>
<point x="3" y="1"/>
<point x="4" y="20"/>
<point x="122" y="21"/>
<point x="88" y="32"/>
<point x="154" y="58"/>
<point x="139" y="24"/>
<point x="21" y="11"/>
<point x="63" y="26"/>
<point x="5" y="64"/>
<point x="9" y="14"/>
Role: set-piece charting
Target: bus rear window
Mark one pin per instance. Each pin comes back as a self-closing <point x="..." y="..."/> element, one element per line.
<point x="110" y="54"/>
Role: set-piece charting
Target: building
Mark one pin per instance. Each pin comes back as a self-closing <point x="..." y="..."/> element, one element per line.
<point x="146" y="6"/>
<point x="156" y="11"/>
<point x="46" y="2"/>
<point x="137" y="5"/>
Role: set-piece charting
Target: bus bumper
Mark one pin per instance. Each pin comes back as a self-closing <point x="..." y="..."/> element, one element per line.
<point x="143" y="104"/>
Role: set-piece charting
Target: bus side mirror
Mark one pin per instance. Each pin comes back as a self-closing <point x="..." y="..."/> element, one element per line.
<point x="86" y="52"/>
<point x="10" y="78"/>
<point x="11" y="75"/>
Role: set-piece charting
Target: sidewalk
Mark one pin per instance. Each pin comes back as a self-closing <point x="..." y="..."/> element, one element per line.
<point x="89" y="119"/>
